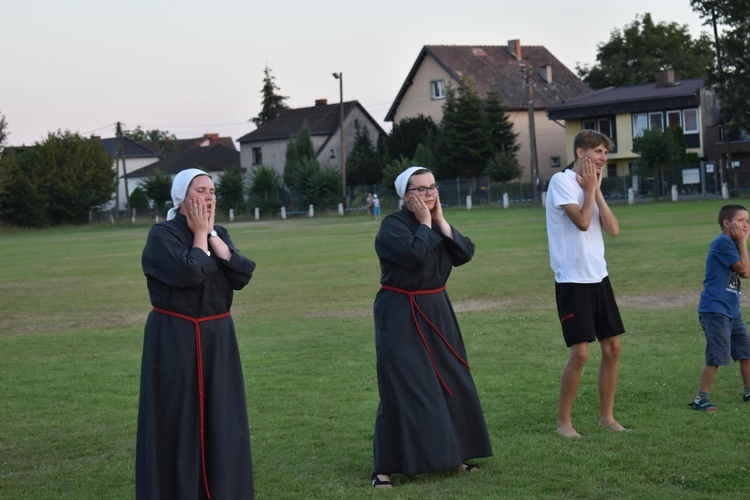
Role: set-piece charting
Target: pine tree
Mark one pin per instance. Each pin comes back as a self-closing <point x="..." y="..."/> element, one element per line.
<point x="363" y="163"/>
<point x="502" y="136"/>
<point x="466" y="134"/>
<point x="272" y="102"/>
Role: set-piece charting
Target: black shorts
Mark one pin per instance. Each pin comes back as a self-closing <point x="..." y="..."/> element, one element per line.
<point x="587" y="311"/>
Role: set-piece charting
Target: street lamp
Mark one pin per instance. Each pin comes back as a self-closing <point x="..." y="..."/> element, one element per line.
<point x="340" y="77"/>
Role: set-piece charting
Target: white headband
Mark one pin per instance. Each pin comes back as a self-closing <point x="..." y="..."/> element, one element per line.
<point x="180" y="186"/>
<point x="402" y="181"/>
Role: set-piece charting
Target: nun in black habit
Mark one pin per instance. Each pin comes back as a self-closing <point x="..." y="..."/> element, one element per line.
<point x="429" y="418"/>
<point x="193" y="439"/>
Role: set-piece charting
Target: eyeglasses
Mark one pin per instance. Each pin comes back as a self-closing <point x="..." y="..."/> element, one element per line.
<point x="423" y="190"/>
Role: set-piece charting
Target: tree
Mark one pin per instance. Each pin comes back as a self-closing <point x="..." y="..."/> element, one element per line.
<point x="66" y="174"/>
<point x="301" y="164"/>
<point x="363" y="163"/>
<point x="231" y="190"/>
<point x="265" y="184"/>
<point x="24" y="205"/>
<point x="139" y="201"/>
<point x="393" y="170"/>
<point x="634" y="55"/>
<point x="501" y="133"/>
<point x="466" y="147"/>
<point x="503" y="167"/>
<point x="272" y="102"/>
<point x="424" y="157"/>
<point x="660" y="153"/>
<point x="3" y="132"/>
<point x="407" y="135"/>
<point x="158" y="188"/>
<point x="730" y="70"/>
<point x="162" y="137"/>
<point x="324" y="187"/>
<point x="299" y="150"/>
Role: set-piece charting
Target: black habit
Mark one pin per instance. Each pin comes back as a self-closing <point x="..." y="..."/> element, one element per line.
<point x="184" y="280"/>
<point x="420" y="427"/>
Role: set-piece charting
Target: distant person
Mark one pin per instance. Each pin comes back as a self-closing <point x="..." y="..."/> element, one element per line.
<point x="376" y="207"/>
<point x="719" y="306"/>
<point x="576" y="214"/>
<point x="193" y="438"/>
<point x="429" y="418"/>
<point x="369" y="205"/>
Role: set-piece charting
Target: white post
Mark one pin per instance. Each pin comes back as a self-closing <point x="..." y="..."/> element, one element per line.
<point x="341" y="209"/>
<point x="157" y="218"/>
<point x="231" y="215"/>
<point x="310" y="211"/>
<point x="724" y="191"/>
<point x="257" y="213"/>
<point x="468" y="202"/>
<point x="506" y="201"/>
<point x="674" y="192"/>
<point x="544" y="199"/>
<point x="283" y="213"/>
<point x="631" y="196"/>
<point x="132" y="217"/>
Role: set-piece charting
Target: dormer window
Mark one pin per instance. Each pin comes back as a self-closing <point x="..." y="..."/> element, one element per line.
<point x="437" y="89"/>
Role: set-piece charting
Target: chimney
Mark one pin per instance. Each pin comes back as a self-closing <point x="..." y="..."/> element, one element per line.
<point x="546" y="73"/>
<point x="212" y="138"/>
<point x="321" y="102"/>
<point x="665" y="78"/>
<point x="514" y="47"/>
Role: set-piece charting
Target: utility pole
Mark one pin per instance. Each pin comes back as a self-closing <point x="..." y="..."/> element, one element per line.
<point x="340" y="77"/>
<point x="532" y="136"/>
<point x="121" y="156"/>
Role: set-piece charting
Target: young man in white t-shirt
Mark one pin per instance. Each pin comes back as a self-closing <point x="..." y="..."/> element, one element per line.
<point x="576" y="215"/>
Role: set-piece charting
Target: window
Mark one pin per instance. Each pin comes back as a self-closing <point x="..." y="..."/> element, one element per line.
<point x="605" y="126"/>
<point x="554" y="161"/>
<point x="257" y="156"/>
<point x="640" y="123"/>
<point x="656" y="121"/>
<point x="437" y="89"/>
<point x="673" y="119"/>
<point x="690" y="121"/>
<point x="611" y="170"/>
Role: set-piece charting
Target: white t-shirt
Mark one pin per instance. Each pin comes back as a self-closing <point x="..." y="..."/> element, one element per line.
<point x="575" y="256"/>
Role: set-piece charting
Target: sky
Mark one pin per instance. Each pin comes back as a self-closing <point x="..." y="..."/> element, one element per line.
<point x="193" y="67"/>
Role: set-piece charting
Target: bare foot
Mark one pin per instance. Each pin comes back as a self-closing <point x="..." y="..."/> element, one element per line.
<point x="568" y="431"/>
<point x="382" y="481"/>
<point x="612" y="424"/>
<point x="467" y="468"/>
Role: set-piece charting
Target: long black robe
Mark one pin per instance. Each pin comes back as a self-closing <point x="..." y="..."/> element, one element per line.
<point x="185" y="280"/>
<point x="419" y="426"/>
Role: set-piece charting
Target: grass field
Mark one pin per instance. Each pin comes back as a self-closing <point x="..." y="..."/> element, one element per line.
<point x="73" y="302"/>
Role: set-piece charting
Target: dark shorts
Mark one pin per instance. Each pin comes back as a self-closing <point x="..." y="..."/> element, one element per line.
<point x="725" y="337"/>
<point x="587" y="311"/>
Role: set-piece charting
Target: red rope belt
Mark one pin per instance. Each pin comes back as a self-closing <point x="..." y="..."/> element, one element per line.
<point x="416" y="309"/>
<point x="199" y="361"/>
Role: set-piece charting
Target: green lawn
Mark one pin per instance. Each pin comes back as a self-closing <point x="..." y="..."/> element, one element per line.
<point x="73" y="302"/>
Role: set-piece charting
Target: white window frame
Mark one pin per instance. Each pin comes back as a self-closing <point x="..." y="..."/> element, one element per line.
<point x="437" y="89"/>
<point x="696" y="116"/>
<point x="640" y="123"/>
<point x="679" y="117"/>
<point x="658" y="115"/>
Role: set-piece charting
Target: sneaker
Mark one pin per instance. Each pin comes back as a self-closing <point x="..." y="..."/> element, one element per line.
<point x="703" y="404"/>
<point x="746" y="397"/>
